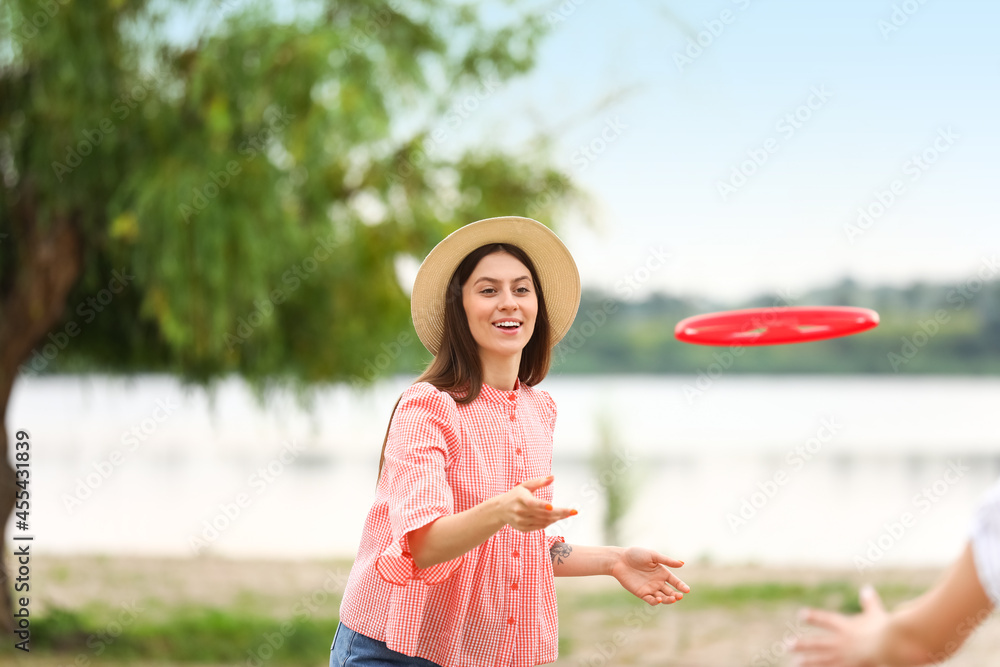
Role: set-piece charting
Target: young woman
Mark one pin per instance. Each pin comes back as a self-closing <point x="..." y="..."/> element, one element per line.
<point x="454" y="567"/>
<point x="924" y="631"/>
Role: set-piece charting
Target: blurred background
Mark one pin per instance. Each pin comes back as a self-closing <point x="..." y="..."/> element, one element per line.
<point x="210" y="221"/>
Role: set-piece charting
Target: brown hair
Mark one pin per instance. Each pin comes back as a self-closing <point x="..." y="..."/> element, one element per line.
<point x="456" y="368"/>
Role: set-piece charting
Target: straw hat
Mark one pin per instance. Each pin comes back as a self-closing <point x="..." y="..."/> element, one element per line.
<point x="557" y="273"/>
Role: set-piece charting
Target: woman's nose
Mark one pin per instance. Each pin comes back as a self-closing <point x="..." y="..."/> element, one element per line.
<point x="507" y="302"/>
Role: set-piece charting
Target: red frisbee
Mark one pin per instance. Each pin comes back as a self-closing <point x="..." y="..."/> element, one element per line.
<point x="775" y="326"/>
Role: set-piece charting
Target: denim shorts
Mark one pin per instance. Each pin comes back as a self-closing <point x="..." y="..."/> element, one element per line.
<point x="353" y="649"/>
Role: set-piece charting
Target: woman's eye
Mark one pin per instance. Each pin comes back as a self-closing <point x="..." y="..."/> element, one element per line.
<point x="517" y="290"/>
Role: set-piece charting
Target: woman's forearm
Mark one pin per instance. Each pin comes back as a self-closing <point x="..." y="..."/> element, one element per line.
<point x="455" y="535"/>
<point x="569" y="560"/>
<point x="449" y="537"/>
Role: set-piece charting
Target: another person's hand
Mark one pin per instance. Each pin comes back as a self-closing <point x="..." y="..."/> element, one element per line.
<point x="522" y="510"/>
<point x="644" y="573"/>
<point x="852" y="641"/>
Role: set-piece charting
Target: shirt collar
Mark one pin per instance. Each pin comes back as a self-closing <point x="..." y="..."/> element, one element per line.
<point x="503" y="397"/>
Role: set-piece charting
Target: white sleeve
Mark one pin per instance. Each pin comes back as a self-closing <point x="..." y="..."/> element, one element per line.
<point x="986" y="543"/>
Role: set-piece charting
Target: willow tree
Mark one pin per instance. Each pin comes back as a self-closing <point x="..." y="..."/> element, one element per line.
<point x="238" y="202"/>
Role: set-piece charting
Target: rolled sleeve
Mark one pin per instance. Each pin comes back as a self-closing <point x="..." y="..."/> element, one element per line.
<point x="418" y="450"/>
<point x="985" y="537"/>
<point x="553" y="411"/>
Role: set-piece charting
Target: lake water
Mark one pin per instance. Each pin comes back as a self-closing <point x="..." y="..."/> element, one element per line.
<point x="776" y="470"/>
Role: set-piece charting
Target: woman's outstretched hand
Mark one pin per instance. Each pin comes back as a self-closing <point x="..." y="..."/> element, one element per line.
<point x="644" y="574"/>
<point x="852" y="641"/>
<point x="522" y="510"/>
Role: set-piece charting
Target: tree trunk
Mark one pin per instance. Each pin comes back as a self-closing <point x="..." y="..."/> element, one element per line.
<point x="46" y="266"/>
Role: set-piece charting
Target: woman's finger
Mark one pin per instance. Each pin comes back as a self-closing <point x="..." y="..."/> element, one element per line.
<point x="675" y="581"/>
<point x="538" y="516"/>
<point x="669" y="562"/>
<point x="672" y="593"/>
<point x="814" y="644"/>
<point x="823" y="619"/>
<point x="552" y="514"/>
<point x="537" y="483"/>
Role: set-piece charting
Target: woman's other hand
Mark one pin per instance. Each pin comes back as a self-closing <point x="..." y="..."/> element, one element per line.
<point x="520" y="509"/>
<point x="644" y="573"/>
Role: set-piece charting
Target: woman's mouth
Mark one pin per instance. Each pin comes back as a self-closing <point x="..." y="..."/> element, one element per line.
<point x="507" y="326"/>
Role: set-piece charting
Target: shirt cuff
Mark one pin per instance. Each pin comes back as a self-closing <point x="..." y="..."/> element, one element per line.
<point x="551" y="540"/>
<point x="396" y="565"/>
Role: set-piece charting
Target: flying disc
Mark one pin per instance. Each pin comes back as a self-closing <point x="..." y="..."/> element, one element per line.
<point x="775" y="326"/>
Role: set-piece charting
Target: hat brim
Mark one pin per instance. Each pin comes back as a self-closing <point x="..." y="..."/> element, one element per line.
<point x="556" y="269"/>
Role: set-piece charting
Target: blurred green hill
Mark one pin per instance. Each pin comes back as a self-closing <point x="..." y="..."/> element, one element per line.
<point x="924" y="328"/>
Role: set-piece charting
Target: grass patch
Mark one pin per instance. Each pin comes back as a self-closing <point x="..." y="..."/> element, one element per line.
<point x="207" y="635"/>
<point x="59" y="574"/>
<point x="234" y="635"/>
<point x="837" y="595"/>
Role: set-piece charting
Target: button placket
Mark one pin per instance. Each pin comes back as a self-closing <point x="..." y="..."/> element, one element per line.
<point x="516" y="572"/>
<point x="516" y="562"/>
<point x="515" y="443"/>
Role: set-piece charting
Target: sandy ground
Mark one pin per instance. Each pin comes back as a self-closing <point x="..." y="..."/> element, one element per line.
<point x="593" y="634"/>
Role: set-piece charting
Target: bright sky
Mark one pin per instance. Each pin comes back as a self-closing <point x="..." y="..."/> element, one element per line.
<point x="881" y="95"/>
<point x="741" y="137"/>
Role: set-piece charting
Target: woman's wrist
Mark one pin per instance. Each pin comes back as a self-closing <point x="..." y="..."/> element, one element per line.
<point x="615" y="555"/>
<point x="585" y="561"/>
<point x="496" y="511"/>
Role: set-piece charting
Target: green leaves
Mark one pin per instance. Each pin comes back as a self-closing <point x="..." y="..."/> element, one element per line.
<point x="262" y="180"/>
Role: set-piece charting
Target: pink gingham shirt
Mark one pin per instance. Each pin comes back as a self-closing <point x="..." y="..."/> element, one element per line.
<point x="495" y="605"/>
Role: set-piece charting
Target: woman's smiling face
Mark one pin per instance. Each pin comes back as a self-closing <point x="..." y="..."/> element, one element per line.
<point x="501" y="305"/>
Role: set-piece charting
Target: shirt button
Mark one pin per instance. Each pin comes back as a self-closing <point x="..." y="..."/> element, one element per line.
<point x="512" y="397"/>
<point x="512" y="418"/>
<point x="510" y="621"/>
<point x="517" y="451"/>
<point x="513" y="586"/>
<point x="515" y="554"/>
